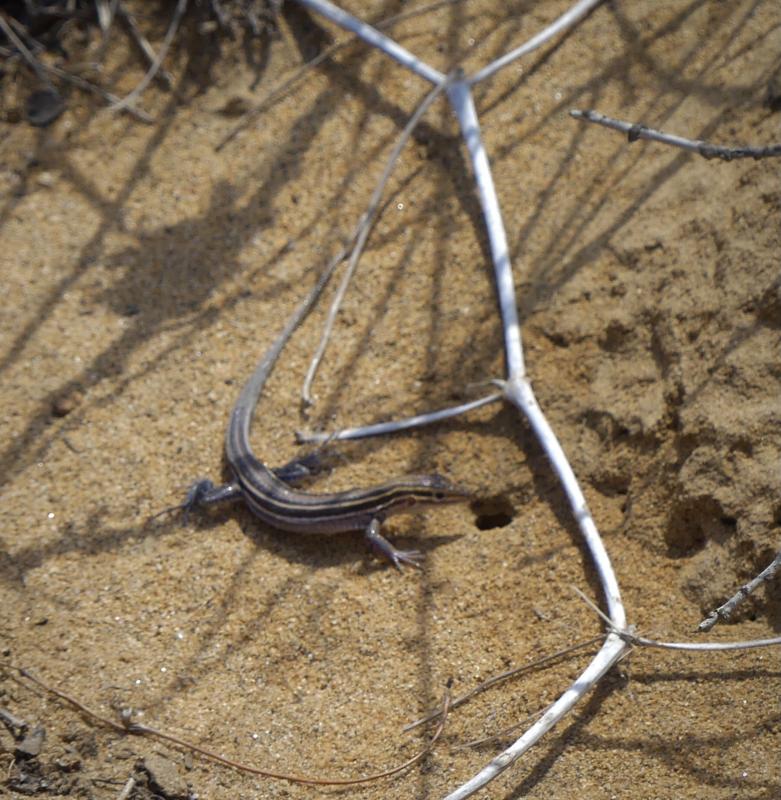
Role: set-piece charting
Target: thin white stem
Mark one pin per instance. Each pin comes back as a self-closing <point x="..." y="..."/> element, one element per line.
<point x="635" y="131"/>
<point x="628" y="635"/>
<point x="281" y="88"/>
<point x="461" y="99"/>
<point x="518" y="391"/>
<point x="709" y="646"/>
<point x="566" y="20"/>
<point x="611" y="652"/>
<point x="106" y="14"/>
<point x="127" y="789"/>
<point x="725" y="611"/>
<point x="394" y="426"/>
<point x="521" y="395"/>
<point x="373" y="37"/>
<point x="129" y="99"/>
<point x="362" y="231"/>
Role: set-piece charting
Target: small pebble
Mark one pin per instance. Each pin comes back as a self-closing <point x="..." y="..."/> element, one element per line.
<point x="63" y="406"/>
<point x="43" y="107"/>
<point x="164" y="777"/>
<point x="236" y="106"/>
<point x="45" y="179"/>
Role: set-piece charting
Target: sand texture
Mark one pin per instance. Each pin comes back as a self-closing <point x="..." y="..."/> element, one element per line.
<point x="145" y="270"/>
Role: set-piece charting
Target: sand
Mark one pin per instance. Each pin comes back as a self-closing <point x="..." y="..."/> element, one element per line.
<point x="145" y="271"/>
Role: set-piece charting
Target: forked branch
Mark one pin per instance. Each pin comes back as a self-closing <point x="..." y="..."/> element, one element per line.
<point x="517" y="389"/>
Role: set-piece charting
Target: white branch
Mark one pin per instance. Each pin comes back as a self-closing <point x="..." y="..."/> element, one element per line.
<point x="629" y="636"/>
<point x="461" y="99"/>
<point x="566" y="20"/>
<point x="373" y="37"/>
<point x="518" y="391"/>
<point x="709" y="646"/>
<point x="611" y="652"/>
<point x="393" y="426"/>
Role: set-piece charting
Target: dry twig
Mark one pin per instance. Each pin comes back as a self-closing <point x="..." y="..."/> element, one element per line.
<point x="128" y="726"/>
<point x="129" y="99"/>
<point x="162" y="75"/>
<point x="361" y="234"/>
<point x="629" y="635"/>
<point x="726" y="610"/>
<point x="635" y="131"/>
<point x="25" y="52"/>
<point x="127" y="789"/>
<point x="394" y="426"/>
<point x="494" y="680"/>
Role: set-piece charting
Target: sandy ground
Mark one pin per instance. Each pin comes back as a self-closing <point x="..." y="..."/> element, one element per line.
<point x="145" y="271"/>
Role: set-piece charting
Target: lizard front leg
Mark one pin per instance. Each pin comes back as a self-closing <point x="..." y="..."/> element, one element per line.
<point x="383" y="547"/>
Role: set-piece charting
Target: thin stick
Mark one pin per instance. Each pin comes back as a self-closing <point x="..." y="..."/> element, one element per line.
<point x="503" y="734"/>
<point x="106" y="13"/>
<point x="725" y="611"/>
<point x="463" y="105"/>
<point x="213" y="756"/>
<point x="503" y="676"/>
<point x="36" y="66"/>
<point x="279" y="90"/>
<point x="87" y="86"/>
<point x="162" y="75"/>
<point x="641" y="641"/>
<point x="635" y="131"/>
<point x="373" y="37"/>
<point x="566" y="20"/>
<point x="394" y="426"/>
<point x="181" y="7"/>
<point x="362" y="230"/>
<point x="77" y="704"/>
<point x="519" y="392"/>
<point x="628" y="634"/>
<point x="127" y="789"/>
<point x="128" y="726"/>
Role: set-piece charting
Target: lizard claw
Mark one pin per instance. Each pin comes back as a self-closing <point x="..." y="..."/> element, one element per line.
<point x="412" y="557"/>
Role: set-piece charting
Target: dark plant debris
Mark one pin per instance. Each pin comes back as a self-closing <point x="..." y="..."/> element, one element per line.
<point x="48" y="47"/>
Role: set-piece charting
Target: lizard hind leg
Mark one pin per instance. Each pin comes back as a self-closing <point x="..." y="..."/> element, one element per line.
<point x="204" y="493"/>
<point x="201" y="493"/>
